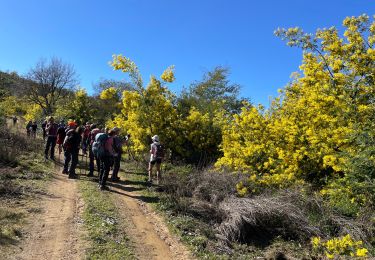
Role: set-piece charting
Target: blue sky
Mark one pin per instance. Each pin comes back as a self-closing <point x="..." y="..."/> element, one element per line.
<point x="193" y="35"/>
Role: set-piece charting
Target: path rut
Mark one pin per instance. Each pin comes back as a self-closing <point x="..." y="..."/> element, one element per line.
<point x="56" y="232"/>
<point x="150" y="236"/>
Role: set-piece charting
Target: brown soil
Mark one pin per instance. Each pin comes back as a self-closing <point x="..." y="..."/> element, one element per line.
<point x="56" y="232"/>
<point x="150" y="236"/>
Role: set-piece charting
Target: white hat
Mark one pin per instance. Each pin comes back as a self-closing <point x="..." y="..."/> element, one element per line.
<point x="155" y="138"/>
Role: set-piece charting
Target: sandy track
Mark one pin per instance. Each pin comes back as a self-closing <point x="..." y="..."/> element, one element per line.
<point x="146" y="230"/>
<point x="56" y="232"/>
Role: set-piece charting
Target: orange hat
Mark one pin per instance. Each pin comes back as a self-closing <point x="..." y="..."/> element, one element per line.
<point x="72" y="123"/>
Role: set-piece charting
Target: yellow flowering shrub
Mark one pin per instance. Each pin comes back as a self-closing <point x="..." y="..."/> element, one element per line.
<point x="168" y="74"/>
<point x="146" y="111"/>
<point x="305" y="134"/>
<point x="108" y="93"/>
<point x="34" y="112"/>
<point x="339" y="246"/>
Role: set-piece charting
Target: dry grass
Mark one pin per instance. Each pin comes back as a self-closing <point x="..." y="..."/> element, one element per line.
<point x="262" y="218"/>
<point x="290" y="215"/>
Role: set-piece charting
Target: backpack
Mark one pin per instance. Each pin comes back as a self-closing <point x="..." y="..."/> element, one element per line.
<point x="98" y="147"/>
<point x="159" y="151"/>
<point x="68" y="142"/>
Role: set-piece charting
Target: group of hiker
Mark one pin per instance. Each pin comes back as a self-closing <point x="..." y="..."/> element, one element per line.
<point x="103" y="146"/>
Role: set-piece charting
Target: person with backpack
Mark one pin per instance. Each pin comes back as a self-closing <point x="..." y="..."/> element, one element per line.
<point x="92" y="158"/>
<point x="71" y="150"/>
<point x="51" y="132"/>
<point x="103" y="149"/>
<point x="117" y="147"/>
<point x="156" y="158"/>
<point x="61" y="135"/>
<point x="85" y="137"/>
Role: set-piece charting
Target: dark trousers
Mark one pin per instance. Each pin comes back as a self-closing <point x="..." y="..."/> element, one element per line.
<point x="92" y="162"/>
<point x="105" y="166"/>
<point x="67" y="159"/>
<point x="116" y="166"/>
<point x="72" y="169"/>
<point x="70" y="156"/>
<point x="51" y="143"/>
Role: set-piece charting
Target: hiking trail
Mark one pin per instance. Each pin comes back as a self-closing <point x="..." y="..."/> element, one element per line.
<point x="56" y="232"/>
<point x="149" y="234"/>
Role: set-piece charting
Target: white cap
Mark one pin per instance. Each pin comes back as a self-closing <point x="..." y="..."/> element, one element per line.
<point x="155" y="138"/>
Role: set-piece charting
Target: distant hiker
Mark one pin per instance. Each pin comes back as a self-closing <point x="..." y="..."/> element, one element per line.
<point x="86" y="134"/>
<point x="156" y="158"/>
<point x="103" y="149"/>
<point x="44" y="125"/>
<point x="34" y="127"/>
<point x="89" y="142"/>
<point x="71" y="150"/>
<point x="117" y="147"/>
<point x="61" y="135"/>
<point x="51" y="132"/>
<point x="28" y="128"/>
<point x="15" y="119"/>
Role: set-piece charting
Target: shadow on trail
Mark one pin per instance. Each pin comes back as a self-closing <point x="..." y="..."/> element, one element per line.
<point x="146" y="199"/>
<point x="123" y="189"/>
<point x="5" y="240"/>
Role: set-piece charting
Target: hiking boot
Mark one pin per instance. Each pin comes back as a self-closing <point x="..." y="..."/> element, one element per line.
<point x="91" y="174"/>
<point x="64" y="172"/>
<point x="102" y="187"/>
<point x="115" y="179"/>
<point x="72" y="176"/>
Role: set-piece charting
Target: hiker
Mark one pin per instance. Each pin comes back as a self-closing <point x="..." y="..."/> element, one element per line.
<point x="156" y="158"/>
<point x="15" y="119"/>
<point x="34" y="127"/>
<point x="61" y="136"/>
<point x="51" y="133"/>
<point x="28" y="128"/>
<point x="86" y="134"/>
<point x="44" y="125"/>
<point x="90" y="140"/>
<point x="71" y="150"/>
<point x="71" y="125"/>
<point x="117" y="147"/>
<point x="103" y="148"/>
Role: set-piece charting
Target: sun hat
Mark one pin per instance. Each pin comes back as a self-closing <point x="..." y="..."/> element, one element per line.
<point x="155" y="138"/>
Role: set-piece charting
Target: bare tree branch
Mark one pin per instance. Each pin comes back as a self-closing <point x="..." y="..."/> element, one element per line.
<point x="47" y="82"/>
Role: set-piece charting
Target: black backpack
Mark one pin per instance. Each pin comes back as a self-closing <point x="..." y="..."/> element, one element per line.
<point x="159" y="151"/>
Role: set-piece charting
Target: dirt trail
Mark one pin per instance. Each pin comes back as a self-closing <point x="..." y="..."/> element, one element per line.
<point x="150" y="236"/>
<point x="56" y="232"/>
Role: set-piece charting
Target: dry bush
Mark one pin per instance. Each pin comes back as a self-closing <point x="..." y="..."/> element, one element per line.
<point x="262" y="218"/>
<point x="295" y="214"/>
<point x="13" y="145"/>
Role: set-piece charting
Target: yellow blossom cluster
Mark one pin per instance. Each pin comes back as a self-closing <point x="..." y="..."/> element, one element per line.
<point x="339" y="246"/>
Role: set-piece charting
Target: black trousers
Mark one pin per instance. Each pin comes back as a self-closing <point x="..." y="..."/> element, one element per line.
<point x="92" y="162"/>
<point x="50" y="144"/>
<point x="70" y="156"/>
<point x="116" y="166"/>
<point x="105" y="166"/>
